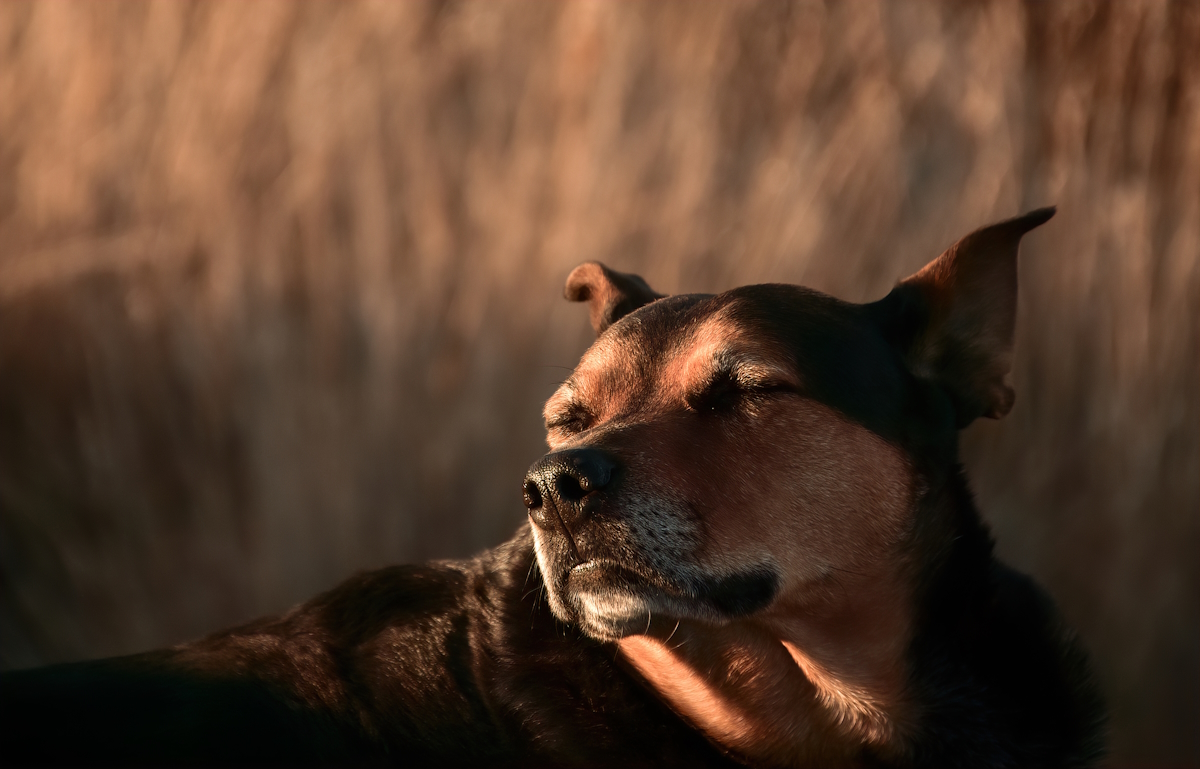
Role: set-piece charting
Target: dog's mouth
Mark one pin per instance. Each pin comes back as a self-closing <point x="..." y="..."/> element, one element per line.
<point x="606" y="575"/>
<point x="605" y="572"/>
<point x="630" y="561"/>
<point x="610" y="600"/>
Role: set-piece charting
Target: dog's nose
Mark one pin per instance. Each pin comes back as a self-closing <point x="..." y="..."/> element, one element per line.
<point x="562" y="480"/>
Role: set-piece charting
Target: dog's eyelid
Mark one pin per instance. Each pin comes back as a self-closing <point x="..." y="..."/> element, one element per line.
<point x="758" y="378"/>
<point x="771" y="385"/>
<point x="727" y="386"/>
<point x="571" y="416"/>
<point x="721" y="389"/>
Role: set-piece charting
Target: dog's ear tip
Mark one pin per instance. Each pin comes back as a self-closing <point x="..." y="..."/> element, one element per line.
<point x="610" y="294"/>
<point x="578" y="287"/>
<point x="1039" y="216"/>
<point x="1031" y="219"/>
<point x="999" y="238"/>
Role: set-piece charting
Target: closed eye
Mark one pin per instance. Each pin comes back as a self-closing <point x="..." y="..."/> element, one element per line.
<point x="721" y="393"/>
<point x="573" y="419"/>
<point x="726" y="392"/>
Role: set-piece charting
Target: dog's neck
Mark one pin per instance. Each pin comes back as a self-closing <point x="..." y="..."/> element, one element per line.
<point x="812" y="683"/>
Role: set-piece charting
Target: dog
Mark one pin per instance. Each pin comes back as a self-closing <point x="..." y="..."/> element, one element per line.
<point x="751" y="543"/>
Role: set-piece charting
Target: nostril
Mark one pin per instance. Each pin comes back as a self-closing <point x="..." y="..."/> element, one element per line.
<point x="566" y="486"/>
<point x="569" y="488"/>
<point x="533" y="497"/>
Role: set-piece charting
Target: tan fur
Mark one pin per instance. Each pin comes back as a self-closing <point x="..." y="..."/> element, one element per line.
<point x="823" y="500"/>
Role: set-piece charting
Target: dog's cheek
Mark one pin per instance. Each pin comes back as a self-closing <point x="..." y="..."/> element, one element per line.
<point x="827" y="495"/>
<point x="797" y="488"/>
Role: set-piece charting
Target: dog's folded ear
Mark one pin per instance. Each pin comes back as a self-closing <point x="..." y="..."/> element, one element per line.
<point x="610" y="295"/>
<point x="953" y="320"/>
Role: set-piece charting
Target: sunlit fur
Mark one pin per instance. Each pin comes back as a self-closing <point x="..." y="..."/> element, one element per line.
<point x="777" y="480"/>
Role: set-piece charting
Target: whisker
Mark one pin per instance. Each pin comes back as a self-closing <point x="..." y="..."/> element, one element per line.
<point x="529" y="573"/>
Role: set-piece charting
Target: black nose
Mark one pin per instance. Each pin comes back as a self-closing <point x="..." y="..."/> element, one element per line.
<point x="560" y="482"/>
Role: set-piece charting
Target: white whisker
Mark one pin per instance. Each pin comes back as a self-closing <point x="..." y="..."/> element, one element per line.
<point x="677" y="623"/>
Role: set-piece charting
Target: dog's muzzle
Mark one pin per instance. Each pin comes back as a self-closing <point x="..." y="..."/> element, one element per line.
<point x="560" y="488"/>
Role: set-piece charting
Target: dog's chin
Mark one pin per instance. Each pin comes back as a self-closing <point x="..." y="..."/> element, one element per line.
<point x="610" y="615"/>
<point x="607" y="601"/>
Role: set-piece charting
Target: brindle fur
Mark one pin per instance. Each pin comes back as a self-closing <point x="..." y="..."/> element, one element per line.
<point x="751" y="543"/>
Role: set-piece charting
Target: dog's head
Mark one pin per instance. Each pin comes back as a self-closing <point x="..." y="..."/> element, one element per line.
<point x="713" y="457"/>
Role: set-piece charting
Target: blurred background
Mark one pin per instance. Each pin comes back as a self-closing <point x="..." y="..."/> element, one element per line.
<point x="280" y="284"/>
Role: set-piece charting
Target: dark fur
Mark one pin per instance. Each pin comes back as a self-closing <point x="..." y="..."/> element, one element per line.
<point x="444" y="664"/>
<point x="463" y="663"/>
<point x="484" y="675"/>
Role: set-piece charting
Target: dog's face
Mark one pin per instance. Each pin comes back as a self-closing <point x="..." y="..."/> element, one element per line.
<point x="730" y="481"/>
<point x="718" y="457"/>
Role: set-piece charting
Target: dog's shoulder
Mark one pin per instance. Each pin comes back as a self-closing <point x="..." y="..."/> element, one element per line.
<point x="154" y="708"/>
<point x="1041" y="671"/>
<point x="392" y="655"/>
<point x="379" y="664"/>
<point x="456" y="662"/>
<point x="1010" y="681"/>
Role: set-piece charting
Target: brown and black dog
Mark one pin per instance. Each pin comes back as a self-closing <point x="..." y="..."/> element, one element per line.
<point x="751" y="542"/>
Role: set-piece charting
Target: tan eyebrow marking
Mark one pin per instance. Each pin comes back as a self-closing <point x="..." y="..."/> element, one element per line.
<point x="722" y="347"/>
<point x="565" y="399"/>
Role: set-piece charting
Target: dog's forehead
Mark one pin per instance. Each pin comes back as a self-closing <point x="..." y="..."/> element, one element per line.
<point x="667" y="342"/>
<point x="826" y="347"/>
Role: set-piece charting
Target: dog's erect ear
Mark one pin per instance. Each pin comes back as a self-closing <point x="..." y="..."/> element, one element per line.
<point x="610" y="295"/>
<point x="953" y="321"/>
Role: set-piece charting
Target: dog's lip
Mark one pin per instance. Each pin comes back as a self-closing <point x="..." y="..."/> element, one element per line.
<point x="614" y="573"/>
<point x="607" y="566"/>
<point x="733" y="595"/>
<point x="596" y="563"/>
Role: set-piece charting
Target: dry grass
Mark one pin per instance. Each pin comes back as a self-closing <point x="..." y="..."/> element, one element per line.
<point x="279" y="284"/>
